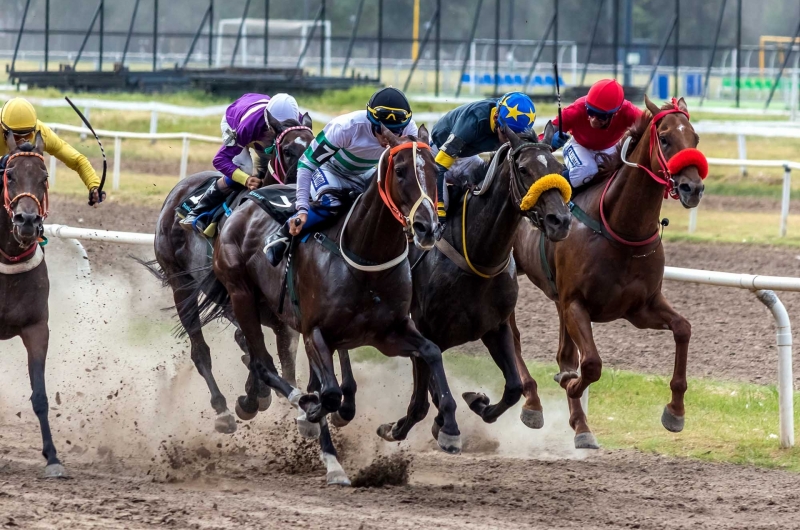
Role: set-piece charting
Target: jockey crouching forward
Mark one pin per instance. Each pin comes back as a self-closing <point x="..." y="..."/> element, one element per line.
<point x="471" y="129"/>
<point x="244" y="126"/>
<point x="597" y="122"/>
<point x="340" y="160"/>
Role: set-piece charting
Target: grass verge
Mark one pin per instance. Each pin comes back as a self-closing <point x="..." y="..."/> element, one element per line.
<point x="725" y="422"/>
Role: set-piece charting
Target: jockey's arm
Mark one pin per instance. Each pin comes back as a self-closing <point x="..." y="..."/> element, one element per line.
<point x="323" y="148"/>
<point x="69" y="156"/>
<point x="462" y="133"/>
<point x="223" y="162"/>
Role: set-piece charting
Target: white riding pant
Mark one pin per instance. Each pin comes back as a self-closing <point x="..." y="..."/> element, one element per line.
<point x="582" y="162"/>
<point x="323" y="182"/>
<point x="243" y="160"/>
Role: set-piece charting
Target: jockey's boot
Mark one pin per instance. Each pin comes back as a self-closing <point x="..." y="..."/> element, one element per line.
<point x="212" y="198"/>
<point x="277" y="244"/>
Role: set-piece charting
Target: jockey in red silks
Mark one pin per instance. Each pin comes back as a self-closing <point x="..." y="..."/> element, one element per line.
<point x="597" y="122"/>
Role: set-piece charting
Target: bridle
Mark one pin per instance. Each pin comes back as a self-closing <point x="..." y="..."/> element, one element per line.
<point x="383" y="190"/>
<point x="279" y="172"/>
<point x="9" y="202"/>
<point x="526" y="198"/>
<point x="667" y="168"/>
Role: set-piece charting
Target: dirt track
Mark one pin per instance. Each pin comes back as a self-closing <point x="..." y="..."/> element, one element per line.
<point x="134" y="428"/>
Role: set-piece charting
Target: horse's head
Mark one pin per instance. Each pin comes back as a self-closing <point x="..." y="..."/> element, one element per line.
<point x="25" y="189"/>
<point x="291" y="139"/>
<point x="537" y="187"/>
<point x="677" y="140"/>
<point x="410" y="183"/>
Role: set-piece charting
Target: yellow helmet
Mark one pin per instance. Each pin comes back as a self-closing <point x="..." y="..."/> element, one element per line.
<point x="18" y="116"/>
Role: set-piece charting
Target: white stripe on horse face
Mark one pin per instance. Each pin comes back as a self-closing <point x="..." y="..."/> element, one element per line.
<point x="299" y="140"/>
<point x="542" y="160"/>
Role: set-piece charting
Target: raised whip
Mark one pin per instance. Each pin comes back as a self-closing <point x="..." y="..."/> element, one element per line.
<point x="105" y="162"/>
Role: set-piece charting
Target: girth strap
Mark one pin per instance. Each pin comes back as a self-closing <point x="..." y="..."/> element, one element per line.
<point x="598" y="228"/>
<point x="484" y="272"/>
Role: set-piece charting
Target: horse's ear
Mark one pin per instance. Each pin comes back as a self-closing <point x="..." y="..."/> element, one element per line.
<point x="423" y="134"/>
<point x="652" y="107"/>
<point x="512" y="137"/>
<point x="387" y="137"/>
<point x="682" y="105"/>
<point x="273" y="123"/>
<point x="38" y="144"/>
<point x="11" y="144"/>
<point x="305" y="120"/>
<point x="549" y="131"/>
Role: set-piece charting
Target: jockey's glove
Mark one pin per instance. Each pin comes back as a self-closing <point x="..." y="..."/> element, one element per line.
<point x="559" y="140"/>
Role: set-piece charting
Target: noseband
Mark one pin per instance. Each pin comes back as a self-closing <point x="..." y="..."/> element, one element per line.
<point x="9" y="202"/>
<point x="279" y="173"/>
<point x="526" y="199"/>
<point x="383" y="190"/>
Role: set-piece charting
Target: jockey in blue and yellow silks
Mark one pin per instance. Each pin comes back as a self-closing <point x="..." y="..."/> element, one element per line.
<point x="472" y="129"/>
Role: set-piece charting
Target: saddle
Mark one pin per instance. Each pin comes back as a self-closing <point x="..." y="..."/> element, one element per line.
<point x="278" y="200"/>
<point x="218" y="215"/>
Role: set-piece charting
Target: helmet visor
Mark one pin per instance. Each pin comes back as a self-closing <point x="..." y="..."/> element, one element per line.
<point x="390" y="117"/>
<point x="599" y="114"/>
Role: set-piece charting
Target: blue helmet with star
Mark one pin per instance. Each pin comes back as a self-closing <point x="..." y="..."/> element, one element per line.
<point x="516" y="111"/>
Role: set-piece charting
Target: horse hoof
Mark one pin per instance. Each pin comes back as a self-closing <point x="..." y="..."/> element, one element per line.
<point x="264" y="402"/>
<point x="385" y="432"/>
<point x="475" y="397"/>
<point x="246" y="360"/>
<point x="307" y="429"/>
<point x="533" y="419"/>
<point x="55" y="471"/>
<point x="671" y="422"/>
<point x="338" y="478"/>
<point x="435" y="428"/>
<point x="225" y="423"/>
<point x="449" y="444"/>
<point x="566" y="376"/>
<point x="244" y="415"/>
<point x="339" y="422"/>
<point x="586" y="440"/>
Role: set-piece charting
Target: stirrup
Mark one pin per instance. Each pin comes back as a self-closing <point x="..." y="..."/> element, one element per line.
<point x="276" y="249"/>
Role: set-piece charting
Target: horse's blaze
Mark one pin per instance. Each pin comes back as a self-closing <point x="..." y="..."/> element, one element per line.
<point x="547" y="182"/>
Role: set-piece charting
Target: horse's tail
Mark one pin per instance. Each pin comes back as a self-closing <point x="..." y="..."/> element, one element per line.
<point x="154" y="268"/>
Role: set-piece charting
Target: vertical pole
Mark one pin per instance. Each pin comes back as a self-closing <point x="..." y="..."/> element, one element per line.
<point x="415" y="32"/>
<point x="693" y="220"/>
<point x="239" y="33"/>
<point x="713" y="52"/>
<point x="742" y="152"/>
<point x="591" y="44"/>
<point x="155" y="33"/>
<point x="496" y="46"/>
<point x="793" y="103"/>
<point x="130" y="32"/>
<point x="117" y="162"/>
<point x="470" y="51"/>
<point x="266" y="32"/>
<point x="19" y="36"/>
<point x="380" y="37"/>
<point x="322" y="40"/>
<point x="676" y="57"/>
<point x="102" y="31"/>
<point x="787" y="192"/>
<point x="210" y="31"/>
<point x="626" y="68"/>
<point x="555" y="34"/>
<point x="184" y="158"/>
<point x="738" y="49"/>
<point x="616" y="38"/>
<point x="438" y="44"/>
<point x="52" y="173"/>
<point x="46" y="33"/>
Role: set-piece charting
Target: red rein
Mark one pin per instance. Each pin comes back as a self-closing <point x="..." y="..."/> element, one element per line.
<point x="384" y="190"/>
<point x="681" y="160"/>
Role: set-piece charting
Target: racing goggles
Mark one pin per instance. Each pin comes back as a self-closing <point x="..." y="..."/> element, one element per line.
<point x="390" y="117"/>
<point x="599" y="114"/>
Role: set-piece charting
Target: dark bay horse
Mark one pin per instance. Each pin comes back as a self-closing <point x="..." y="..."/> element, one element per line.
<point x="353" y="289"/>
<point x="24" y="284"/>
<point x="184" y="258"/>
<point x="612" y="264"/>
<point x="471" y="295"/>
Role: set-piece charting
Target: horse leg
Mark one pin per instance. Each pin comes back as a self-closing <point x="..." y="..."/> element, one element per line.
<point x="579" y="326"/>
<point x="36" y="339"/>
<point x="531" y="414"/>
<point x="500" y="343"/>
<point x="408" y="342"/>
<point x="347" y="410"/>
<point x="417" y="408"/>
<point x="186" y="302"/>
<point x="321" y="361"/>
<point x="286" y="340"/>
<point x="336" y="475"/>
<point x="660" y="315"/>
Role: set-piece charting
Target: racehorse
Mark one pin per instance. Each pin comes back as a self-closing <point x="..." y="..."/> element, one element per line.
<point x="24" y="284"/>
<point x="184" y="258"/>
<point x="612" y="264"/>
<point x="353" y="293"/>
<point x="280" y="160"/>
<point x="458" y="300"/>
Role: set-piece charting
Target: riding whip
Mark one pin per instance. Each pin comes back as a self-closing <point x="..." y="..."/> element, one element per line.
<point x="105" y="162"/>
<point x="558" y="96"/>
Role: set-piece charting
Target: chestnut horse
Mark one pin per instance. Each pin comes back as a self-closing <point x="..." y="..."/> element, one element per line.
<point x="352" y="288"/>
<point x="612" y="264"/>
<point x="184" y="258"/>
<point x="24" y="284"/>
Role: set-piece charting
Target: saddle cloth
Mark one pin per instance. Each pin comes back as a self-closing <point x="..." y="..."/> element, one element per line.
<point x="191" y="200"/>
<point x="277" y="200"/>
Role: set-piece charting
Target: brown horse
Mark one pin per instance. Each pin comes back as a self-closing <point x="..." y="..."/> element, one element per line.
<point x="612" y="264"/>
<point x="469" y="294"/>
<point x="184" y="258"/>
<point x="24" y="284"/>
<point x="351" y="293"/>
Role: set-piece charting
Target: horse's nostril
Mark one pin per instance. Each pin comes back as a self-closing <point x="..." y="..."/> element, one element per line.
<point x="25" y="219"/>
<point x="420" y="228"/>
<point x="685" y="188"/>
<point x="553" y="220"/>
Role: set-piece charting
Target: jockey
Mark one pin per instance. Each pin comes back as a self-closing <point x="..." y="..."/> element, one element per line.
<point x="471" y="129"/>
<point x="597" y="122"/>
<point x="19" y="117"/>
<point x="244" y="126"/>
<point x="341" y="159"/>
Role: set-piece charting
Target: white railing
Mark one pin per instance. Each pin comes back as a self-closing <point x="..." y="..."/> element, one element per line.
<point x="762" y="286"/>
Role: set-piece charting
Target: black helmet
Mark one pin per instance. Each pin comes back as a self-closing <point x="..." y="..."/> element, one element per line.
<point x="389" y="106"/>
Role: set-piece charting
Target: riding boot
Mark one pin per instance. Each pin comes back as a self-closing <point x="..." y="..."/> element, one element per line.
<point x="276" y="245"/>
<point x="210" y="200"/>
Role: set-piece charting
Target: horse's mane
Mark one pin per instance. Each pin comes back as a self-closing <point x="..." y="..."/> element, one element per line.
<point x="609" y="163"/>
<point x="26" y="147"/>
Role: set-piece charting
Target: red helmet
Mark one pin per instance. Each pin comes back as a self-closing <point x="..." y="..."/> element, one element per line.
<point x="605" y="96"/>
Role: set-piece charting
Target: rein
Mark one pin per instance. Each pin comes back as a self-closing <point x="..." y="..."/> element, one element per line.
<point x="279" y="173"/>
<point x="386" y="197"/>
<point x="43" y="206"/>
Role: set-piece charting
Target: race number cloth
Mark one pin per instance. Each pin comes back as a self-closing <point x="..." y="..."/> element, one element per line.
<point x="277" y="200"/>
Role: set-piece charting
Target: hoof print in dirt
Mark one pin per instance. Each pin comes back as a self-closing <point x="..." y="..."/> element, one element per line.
<point x="384" y="471"/>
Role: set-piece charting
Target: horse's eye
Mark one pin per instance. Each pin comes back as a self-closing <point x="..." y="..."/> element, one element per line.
<point x="664" y="142"/>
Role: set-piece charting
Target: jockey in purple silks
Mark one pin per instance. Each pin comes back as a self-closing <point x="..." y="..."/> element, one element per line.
<point x="244" y="127"/>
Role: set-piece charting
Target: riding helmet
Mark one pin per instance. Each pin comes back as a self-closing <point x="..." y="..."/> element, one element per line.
<point x="605" y="96"/>
<point x="390" y="107"/>
<point x="18" y="116"/>
<point x="516" y="111"/>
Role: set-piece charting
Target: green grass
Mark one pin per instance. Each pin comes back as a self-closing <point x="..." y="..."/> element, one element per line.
<point x="725" y="422"/>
